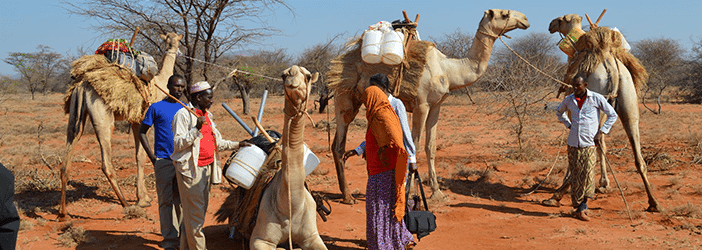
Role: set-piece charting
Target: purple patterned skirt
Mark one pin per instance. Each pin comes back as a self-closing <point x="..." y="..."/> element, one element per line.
<point x="382" y="230"/>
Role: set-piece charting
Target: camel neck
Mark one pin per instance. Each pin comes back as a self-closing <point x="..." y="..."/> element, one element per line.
<point x="293" y="151"/>
<point x="466" y="71"/>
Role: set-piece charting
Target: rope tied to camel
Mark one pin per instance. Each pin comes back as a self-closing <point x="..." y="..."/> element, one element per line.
<point x="233" y="70"/>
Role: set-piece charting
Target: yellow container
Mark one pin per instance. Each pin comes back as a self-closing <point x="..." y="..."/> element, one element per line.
<point x="567" y="44"/>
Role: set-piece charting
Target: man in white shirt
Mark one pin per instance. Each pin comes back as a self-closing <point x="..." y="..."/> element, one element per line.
<point x="584" y="107"/>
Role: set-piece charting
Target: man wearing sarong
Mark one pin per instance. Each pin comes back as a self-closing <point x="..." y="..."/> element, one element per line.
<point x="386" y="160"/>
<point x="584" y="107"/>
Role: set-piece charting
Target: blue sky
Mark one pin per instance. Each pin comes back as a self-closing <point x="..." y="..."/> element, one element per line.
<point x="27" y="24"/>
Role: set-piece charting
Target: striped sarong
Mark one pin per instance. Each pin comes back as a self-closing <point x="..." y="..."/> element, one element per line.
<point x="581" y="166"/>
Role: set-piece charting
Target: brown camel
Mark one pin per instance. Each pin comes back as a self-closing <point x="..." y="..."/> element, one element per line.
<point x="439" y="76"/>
<point x="83" y="101"/>
<point x="286" y="194"/>
<point x="624" y="93"/>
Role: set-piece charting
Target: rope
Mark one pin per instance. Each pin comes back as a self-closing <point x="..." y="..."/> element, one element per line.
<point x="227" y="68"/>
<point x="531" y="65"/>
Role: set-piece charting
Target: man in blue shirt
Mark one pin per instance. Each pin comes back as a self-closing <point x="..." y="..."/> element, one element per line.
<point x="584" y="107"/>
<point x="160" y="116"/>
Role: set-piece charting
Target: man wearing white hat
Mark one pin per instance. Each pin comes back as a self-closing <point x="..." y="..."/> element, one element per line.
<point x="196" y="141"/>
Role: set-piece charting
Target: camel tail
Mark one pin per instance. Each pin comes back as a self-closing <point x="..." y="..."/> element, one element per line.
<point x="75" y="107"/>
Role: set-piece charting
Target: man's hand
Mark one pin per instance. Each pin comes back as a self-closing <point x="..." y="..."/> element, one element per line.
<point x="201" y="120"/>
<point x="598" y="137"/>
<point x="413" y="167"/>
<point x="244" y="144"/>
<point x="349" y="154"/>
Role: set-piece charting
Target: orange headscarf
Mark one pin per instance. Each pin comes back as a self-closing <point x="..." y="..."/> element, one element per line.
<point x="387" y="131"/>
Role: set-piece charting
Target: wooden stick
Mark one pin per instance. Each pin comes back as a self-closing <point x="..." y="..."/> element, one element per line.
<point x="263" y="131"/>
<point x="599" y="18"/>
<point x="181" y="103"/>
<point x="416" y="19"/>
<point x="136" y="31"/>
<point x="590" y="21"/>
<point x="404" y="13"/>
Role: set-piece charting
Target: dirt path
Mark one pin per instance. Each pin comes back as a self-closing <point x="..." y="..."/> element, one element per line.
<point x="479" y="166"/>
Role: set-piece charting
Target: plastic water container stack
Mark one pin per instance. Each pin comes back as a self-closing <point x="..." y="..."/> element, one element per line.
<point x="382" y="44"/>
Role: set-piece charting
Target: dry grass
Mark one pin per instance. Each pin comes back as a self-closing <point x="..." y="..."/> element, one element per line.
<point x="134" y="212"/>
<point x="72" y="236"/>
<point x="688" y="210"/>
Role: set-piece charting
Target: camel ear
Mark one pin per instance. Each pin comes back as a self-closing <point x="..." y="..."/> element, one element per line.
<point x="490" y="13"/>
<point x="567" y="18"/>
<point x="179" y="37"/>
<point x="315" y="77"/>
<point x="163" y="37"/>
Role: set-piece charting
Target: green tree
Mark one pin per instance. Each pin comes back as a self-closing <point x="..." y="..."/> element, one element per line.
<point x="37" y="69"/>
<point x="663" y="58"/>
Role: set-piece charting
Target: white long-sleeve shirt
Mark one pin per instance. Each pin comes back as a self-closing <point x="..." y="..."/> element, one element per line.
<point x="401" y="113"/>
<point x="584" y="122"/>
<point x="186" y="144"/>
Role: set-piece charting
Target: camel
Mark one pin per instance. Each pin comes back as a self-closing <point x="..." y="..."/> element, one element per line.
<point x="83" y="101"/>
<point x="439" y="76"/>
<point x="286" y="203"/>
<point x="626" y="105"/>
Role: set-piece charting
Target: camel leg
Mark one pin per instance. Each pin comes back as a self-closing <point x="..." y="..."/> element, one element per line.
<point x="143" y="199"/>
<point x="430" y="147"/>
<point x="74" y="131"/>
<point x="103" y="131"/>
<point x="601" y="154"/>
<point x="629" y="115"/>
<point x="345" y="111"/>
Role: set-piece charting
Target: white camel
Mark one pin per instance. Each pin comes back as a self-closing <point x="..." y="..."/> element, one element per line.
<point x="286" y="205"/>
<point x="612" y="78"/>
<point x="439" y="76"/>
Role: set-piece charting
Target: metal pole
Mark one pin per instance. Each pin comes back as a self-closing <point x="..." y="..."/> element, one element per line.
<point x="241" y="122"/>
<point x="260" y="111"/>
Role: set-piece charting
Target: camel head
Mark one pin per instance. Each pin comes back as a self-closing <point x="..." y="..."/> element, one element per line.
<point x="564" y="24"/>
<point x="298" y="84"/>
<point x="498" y="22"/>
<point x="172" y="39"/>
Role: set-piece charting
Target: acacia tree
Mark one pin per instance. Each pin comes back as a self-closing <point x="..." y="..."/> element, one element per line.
<point x="211" y="28"/>
<point x="526" y="90"/>
<point x="37" y="69"/>
<point x="691" y="84"/>
<point x="663" y="58"/>
<point x="454" y="45"/>
<point x="318" y="59"/>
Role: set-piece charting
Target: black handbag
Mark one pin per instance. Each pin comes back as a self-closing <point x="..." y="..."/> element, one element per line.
<point x="420" y="223"/>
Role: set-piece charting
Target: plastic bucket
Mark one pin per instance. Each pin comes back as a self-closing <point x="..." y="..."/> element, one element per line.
<point x="391" y="48"/>
<point x="370" y="52"/>
<point x="567" y="44"/>
<point x="245" y="165"/>
<point x="625" y="44"/>
<point x="310" y="160"/>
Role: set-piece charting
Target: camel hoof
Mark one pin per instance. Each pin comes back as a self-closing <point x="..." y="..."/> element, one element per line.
<point x="63" y="218"/>
<point x="143" y="203"/>
<point x="349" y="201"/>
<point x="551" y="203"/>
<point x="603" y="190"/>
<point x="438" y="196"/>
<point x="653" y="209"/>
